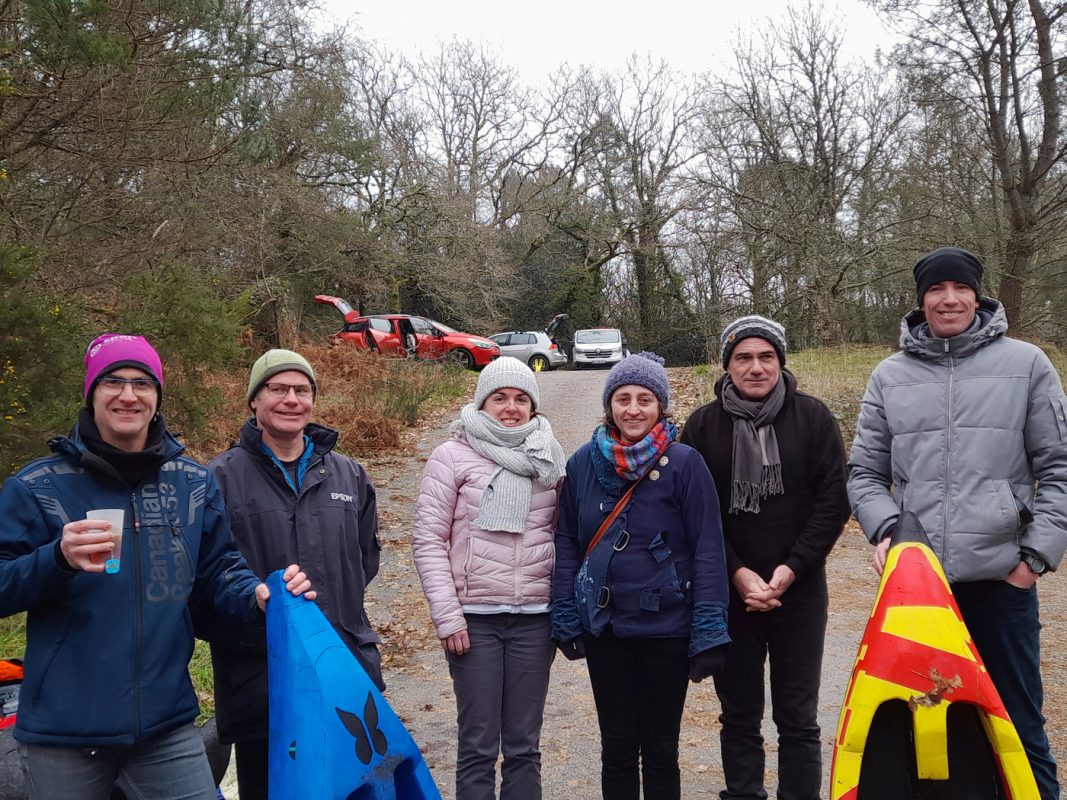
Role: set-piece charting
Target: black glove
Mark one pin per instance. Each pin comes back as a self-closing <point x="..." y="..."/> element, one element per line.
<point x="572" y="649"/>
<point x="707" y="663"/>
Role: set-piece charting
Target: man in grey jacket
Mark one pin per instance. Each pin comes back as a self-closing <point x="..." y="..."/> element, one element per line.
<point x="287" y="491"/>
<point x="966" y="428"/>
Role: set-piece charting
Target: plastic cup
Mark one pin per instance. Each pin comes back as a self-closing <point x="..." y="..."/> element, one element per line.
<point x="116" y="516"/>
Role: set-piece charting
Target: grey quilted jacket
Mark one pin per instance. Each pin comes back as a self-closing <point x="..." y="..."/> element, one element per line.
<point x="970" y="434"/>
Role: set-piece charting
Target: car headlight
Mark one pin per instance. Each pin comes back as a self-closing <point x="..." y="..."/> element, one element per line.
<point x="484" y="345"/>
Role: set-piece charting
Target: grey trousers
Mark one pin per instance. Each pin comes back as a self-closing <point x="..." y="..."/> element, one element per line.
<point x="501" y="684"/>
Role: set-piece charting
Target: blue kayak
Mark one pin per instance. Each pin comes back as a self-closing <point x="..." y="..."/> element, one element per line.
<point x="333" y="736"/>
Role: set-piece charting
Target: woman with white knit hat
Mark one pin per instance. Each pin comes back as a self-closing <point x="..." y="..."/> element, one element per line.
<point x="483" y="545"/>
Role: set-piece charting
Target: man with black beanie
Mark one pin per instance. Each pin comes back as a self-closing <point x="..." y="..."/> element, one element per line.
<point x="965" y="428"/>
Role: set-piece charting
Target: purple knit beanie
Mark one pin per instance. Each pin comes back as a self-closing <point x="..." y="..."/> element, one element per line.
<point x="111" y="351"/>
<point x="640" y="369"/>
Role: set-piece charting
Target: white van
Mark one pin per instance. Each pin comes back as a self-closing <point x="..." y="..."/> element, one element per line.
<point x="595" y="347"/>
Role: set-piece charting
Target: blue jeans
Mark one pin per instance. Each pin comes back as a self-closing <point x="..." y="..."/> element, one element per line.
<point x="172" y="766"/>
<point x="1003" y="621"/>
<point x="501" y="684"/>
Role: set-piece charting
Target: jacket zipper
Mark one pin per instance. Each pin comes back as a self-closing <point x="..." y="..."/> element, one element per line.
<point x="138" y="625"/>
<point x="518" y="571"/>
<point x="948" y="452"/>
<point x="176" y="534"/>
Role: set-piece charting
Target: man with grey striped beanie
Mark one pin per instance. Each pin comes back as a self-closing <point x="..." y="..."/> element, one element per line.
<point x="779" y="467"/>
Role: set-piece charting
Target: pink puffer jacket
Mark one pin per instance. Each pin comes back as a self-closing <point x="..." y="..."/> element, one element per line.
<point x="458" y="562"/>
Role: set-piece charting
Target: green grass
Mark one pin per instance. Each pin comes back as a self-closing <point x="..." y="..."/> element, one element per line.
<point x="413" y="387"/>
<point x="838" y="376"/>
<point x="1058" y="358"/>
<point x="203" y="680"/>
<point x="12" y="636"/>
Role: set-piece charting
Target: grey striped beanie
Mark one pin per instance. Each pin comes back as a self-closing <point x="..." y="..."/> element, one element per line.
<point x="752" y="325"/>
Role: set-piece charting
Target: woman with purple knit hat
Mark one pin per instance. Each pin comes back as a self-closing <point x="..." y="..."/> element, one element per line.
<point x="640" y="587"/>
<point x="107" y="698"/>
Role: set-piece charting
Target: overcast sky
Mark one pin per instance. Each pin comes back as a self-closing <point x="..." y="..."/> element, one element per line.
<point x="535" y="37"/>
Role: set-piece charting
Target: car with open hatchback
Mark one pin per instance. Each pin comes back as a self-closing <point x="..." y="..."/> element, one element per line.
<point x="409" y="336"/>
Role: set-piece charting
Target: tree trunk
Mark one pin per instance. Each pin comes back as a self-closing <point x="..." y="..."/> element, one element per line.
<point x="1017" y="257"/>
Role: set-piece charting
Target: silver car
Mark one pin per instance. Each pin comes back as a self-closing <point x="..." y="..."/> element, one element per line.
<point x="594" y="347"/>
<point x="536" y="348"/>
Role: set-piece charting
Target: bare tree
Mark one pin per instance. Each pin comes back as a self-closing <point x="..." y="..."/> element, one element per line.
<point x="1003" y="62"/>
<point x="796" y="141"/>
<point x="633" y="154"/>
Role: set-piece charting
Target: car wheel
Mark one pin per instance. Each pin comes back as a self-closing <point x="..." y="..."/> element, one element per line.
<point x="539" y="363"/>
<point x="462" y="357"/>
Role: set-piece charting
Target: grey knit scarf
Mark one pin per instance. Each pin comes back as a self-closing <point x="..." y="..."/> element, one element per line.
<point x="757" y="464"/>
<point x="523" y="453"/>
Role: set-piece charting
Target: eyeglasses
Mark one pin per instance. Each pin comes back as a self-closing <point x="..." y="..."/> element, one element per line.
<point x="112" y="387"/>
<point x="280" y="390"/>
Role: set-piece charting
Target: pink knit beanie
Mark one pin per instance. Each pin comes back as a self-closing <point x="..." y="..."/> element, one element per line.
<point x="111" y="351"/>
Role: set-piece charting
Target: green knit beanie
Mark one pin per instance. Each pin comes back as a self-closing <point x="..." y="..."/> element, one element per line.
<point x="270" y="364"/>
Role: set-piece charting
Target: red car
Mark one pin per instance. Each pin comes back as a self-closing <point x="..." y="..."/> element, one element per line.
<point x="408" y="336"/>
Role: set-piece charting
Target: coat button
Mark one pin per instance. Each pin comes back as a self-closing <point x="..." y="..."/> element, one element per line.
<point x="664" y="461"/>
<point x="322" y="472"/>
<point x="653" y="475"/>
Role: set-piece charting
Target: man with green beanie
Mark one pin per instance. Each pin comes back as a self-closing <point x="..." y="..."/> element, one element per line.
<point x="288" y="492"/>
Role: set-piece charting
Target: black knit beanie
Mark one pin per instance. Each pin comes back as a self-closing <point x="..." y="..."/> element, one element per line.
<point x="947" y="264"/>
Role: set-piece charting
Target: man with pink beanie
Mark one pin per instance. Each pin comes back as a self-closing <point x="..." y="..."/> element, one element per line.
<point x="107" y="699"/>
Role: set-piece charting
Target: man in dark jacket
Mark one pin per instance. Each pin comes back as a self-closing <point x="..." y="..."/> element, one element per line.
<point x="779" y="466"/>
<point x="288" y="492"/>
<point x="107" y="697"/>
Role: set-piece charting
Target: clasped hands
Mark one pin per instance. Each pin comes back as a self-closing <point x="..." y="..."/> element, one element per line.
<point x="761" y="595"/>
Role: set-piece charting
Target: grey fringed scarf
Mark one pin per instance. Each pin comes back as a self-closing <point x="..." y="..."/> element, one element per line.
<point x="757" y="464"/>
<point x="523" y="453"/>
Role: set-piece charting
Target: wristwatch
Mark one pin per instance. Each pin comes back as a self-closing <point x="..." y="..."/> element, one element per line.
<point x="1036" y="563"/>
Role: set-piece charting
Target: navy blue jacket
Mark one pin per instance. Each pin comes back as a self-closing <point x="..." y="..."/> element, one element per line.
<point x="107" y="655"/>
<point x="329" y="526"/>
<point x="670" y="578"/>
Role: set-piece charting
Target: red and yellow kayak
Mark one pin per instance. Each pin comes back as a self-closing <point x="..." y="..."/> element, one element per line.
<point x="916" y="650"/>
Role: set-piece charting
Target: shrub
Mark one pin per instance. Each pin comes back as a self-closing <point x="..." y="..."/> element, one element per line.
<point x="181" y="311"/>
<point x="41" y="348"/>
<point x="369" y="399"/>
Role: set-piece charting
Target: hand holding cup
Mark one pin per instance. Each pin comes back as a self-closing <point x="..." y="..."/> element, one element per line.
<point x="93" y="544"/>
